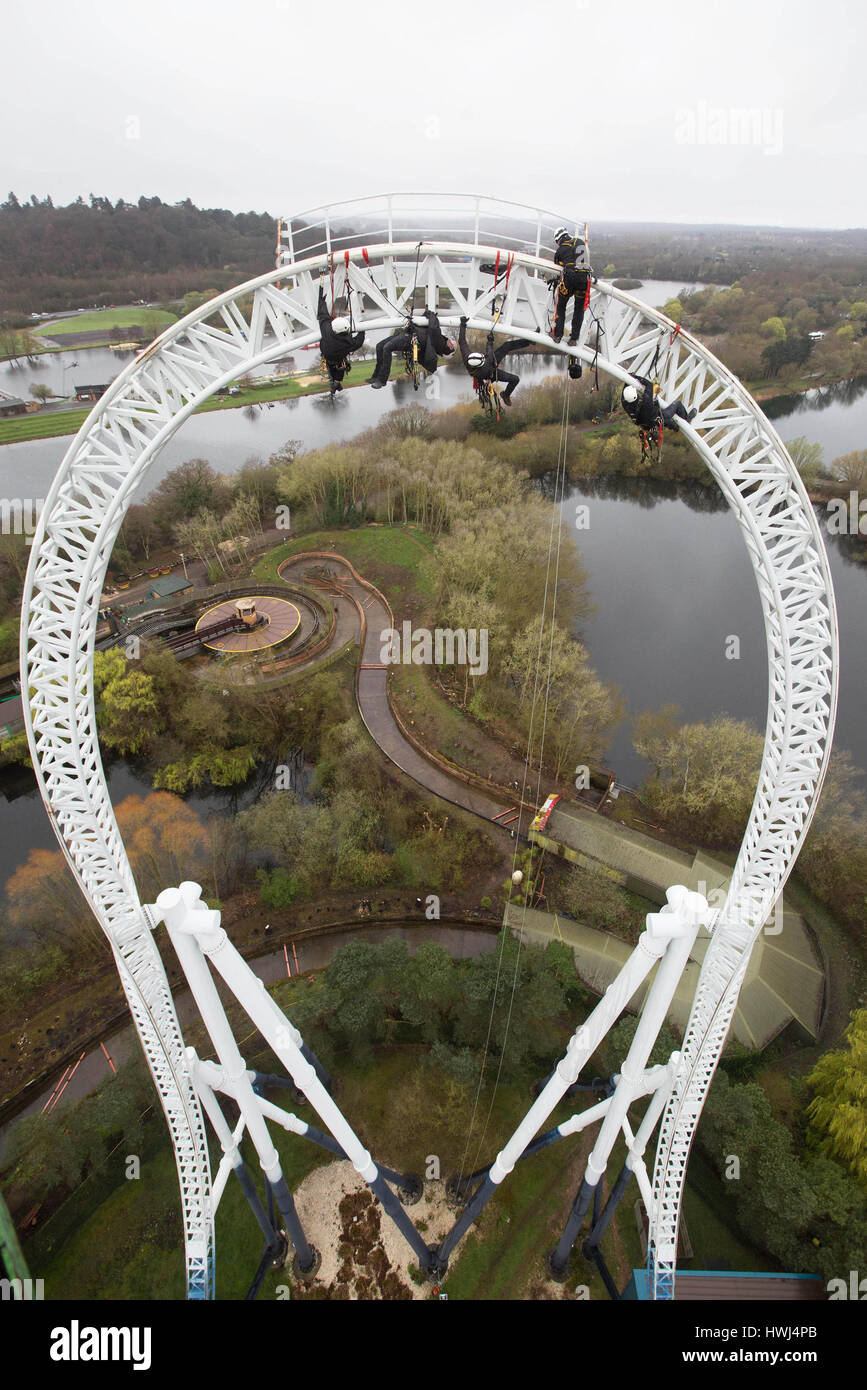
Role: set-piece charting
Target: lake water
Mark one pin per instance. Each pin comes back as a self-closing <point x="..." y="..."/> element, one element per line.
<point x="227" y="438"/>
<point x="24" y="824"/>
<point x="657" y="293"/>
<point x="63" y="371"/>
<point x="670" y="582"/>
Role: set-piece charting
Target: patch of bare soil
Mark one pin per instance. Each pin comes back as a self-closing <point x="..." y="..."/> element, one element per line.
<point x="364" y="1256"/>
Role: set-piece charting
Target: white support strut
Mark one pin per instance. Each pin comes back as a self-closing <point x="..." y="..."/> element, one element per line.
<point x="258" y="322"/>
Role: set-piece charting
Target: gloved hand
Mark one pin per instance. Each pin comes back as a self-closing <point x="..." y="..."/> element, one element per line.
<point x="464" y="319"/>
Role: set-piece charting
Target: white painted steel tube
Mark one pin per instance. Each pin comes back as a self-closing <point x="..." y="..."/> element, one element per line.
<point x="683" y="916"/>
<point x="582" y="1044"/>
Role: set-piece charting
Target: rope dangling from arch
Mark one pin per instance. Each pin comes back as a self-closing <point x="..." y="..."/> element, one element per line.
<point x="556" y="519"/>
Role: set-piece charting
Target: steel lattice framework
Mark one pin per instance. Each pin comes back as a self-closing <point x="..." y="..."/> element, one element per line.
<point x="261" y="320"/>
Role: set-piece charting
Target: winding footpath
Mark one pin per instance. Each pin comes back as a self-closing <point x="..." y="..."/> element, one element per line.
<point x="373" y="617"/>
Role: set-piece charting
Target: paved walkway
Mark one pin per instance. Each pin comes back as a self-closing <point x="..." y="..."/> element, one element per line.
<point x="784" y="980"/>
<point x="373" y="694"/>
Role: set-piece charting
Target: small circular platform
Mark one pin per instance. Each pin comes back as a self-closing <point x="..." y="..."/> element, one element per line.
<point x="282" y="619"/>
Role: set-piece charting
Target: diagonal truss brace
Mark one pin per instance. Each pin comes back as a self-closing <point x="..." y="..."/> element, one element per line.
<point x="665" y="943"/>
<point x="200" y="941"/>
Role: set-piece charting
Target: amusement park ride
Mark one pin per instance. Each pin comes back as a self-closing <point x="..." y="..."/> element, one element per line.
<point x="384" y="257"/>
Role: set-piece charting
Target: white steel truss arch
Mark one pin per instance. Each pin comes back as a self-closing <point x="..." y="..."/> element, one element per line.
<point x="263" y="319"/>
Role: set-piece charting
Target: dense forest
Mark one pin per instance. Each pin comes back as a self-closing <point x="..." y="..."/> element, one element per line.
<point x="98" y="252"/>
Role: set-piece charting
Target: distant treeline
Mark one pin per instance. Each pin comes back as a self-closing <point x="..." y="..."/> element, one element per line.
<point x="722" y="255"/>
<point x="99" y="252"/>
<point x="94" y="251"/>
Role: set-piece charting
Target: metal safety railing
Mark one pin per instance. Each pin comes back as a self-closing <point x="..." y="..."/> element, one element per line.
<point x="399" y="217"/>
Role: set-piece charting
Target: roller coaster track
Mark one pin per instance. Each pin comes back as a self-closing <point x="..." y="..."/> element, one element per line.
<point x="262" y="320"/>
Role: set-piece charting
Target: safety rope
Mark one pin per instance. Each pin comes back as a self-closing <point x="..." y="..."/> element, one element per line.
<point x="415" y="280"/>
<point x="556" y="518"/>
<point x="347" y="289"/>
<point x="509" y="263"/>
<point x="379" y="290"/>
<point x="599" y="331"/>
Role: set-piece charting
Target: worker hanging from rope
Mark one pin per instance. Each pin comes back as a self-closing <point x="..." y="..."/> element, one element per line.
<point x="336" y="343"/>
<point x="485" y="366"/>
<point x="574" y="283"/>
<point x="423" y="328"/>
<point x="643" y="408"/>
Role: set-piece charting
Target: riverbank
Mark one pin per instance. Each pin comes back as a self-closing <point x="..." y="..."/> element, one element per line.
<point x="57" y="423"/>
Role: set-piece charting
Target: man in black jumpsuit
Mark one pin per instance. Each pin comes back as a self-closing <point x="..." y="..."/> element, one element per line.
<point x="432" y="344"/>
<point x="336" y="344"/>
<point x="644" y="409"/>
<point x="574" y="282"/>
<point x="486" y="366"/>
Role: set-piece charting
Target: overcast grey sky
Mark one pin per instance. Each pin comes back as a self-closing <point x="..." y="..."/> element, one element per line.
<point x="614" y="111"/>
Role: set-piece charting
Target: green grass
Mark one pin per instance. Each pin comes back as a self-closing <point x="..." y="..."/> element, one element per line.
<point x="443" y="726"/>
<point x="41" y="425"/>
<point x="131" y="1246"/>
<point x="107" y="319"/>
<point x="399" y="560"/>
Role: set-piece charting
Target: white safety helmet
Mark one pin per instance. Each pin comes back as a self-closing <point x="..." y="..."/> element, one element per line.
<point x="341" y="325"/>
<point x="475" y="359"/>
<point x="630" y="395"/>
<point x="560" y="234"/>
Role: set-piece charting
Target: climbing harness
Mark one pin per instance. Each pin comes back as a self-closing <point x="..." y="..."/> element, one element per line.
<point x="651" y="441"/>
<point x="485" y="389"/>
<point x="413" y="366"/>
<point x="410" y="356"/>
<point x="651" y="436"/>
<point x="489" y="397"/>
